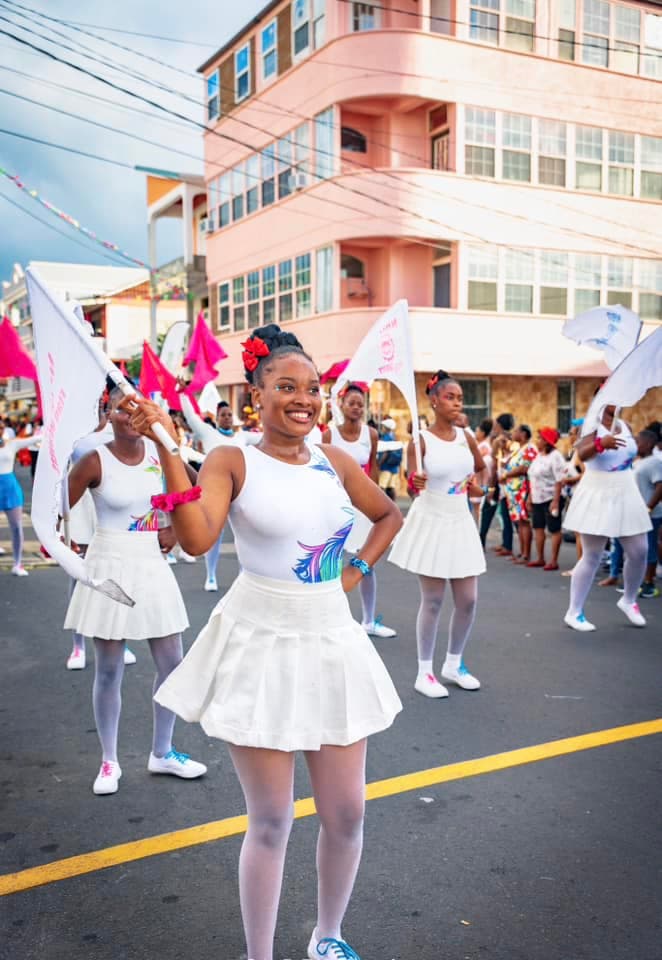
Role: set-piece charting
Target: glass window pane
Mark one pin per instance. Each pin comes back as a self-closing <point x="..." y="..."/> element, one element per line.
<point x="254" y="314"/>
<point x="268" y="311"/>
<point x="568" y="13"/>
<point x="241" y="59"/>
<point x="588" y="270"/>
<point x="588" y="176"/>
<point x="285" y="275"/>
<point x="518" y="34"/>
<point x="479" y="161"/>
<point x="627" y="24"/>
<point x="223" y="292"/>
<point x="239" y="318"/>
<point x="651" y="153"/>
<point x="651" y="185"/>
<point x="554" y="268"/>
<point x="285" y="308"/>
<point x="621" y="147"/>
<point x="301" y="39"/>
<point x="484" y="26"/>
<point x="269" y="37"/>
<point x="516" y="131"/>
<point x="619" y="273"/>
<point x="650" y="275"/>
<point x="324" y="279"/>
<point x="519" y="298"/>
<point x="650" y="306"/>
<point x="596" y="17"/>
<point x="552" y="138"/>
<point x="303" y="270"/>
<point x="621" y="181"/>
<point x="519" y="266"/>
<point x="324" y="159"/>
<point x="483" y="262"/>
<point x="625" y="57"/>
<point x="304" y="302"/>
<point x="586" y="299"/>
<point x="553" y="300"/>
<point x="516" y="166"/>
<point x="269" y="281"/>
<point x="480" y="126"/>
<point x="238" y="207"/>
<point x="522" y="8"/>
<point x="566" y="45"/>
<point x="551" y="171"/>
<point x="622" y="298"/>
<point x="595" y="51"/>
<point x="589" y="143"/>
<point x="253" y="285"/>
<point x="238" y="290"/>
<point x="252" y="199"/>
<point x="651" y="63"/>
<point x="482" y="296"/>
<point x="268" y="161"/>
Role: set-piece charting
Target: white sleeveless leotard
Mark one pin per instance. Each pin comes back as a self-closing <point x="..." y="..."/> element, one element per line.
<point x="123" y="498"/>
<point x="290" y="521"/>
<point x="621" y="458"/>
<point x="449" y="464"/>
<point x="358" y="450"/>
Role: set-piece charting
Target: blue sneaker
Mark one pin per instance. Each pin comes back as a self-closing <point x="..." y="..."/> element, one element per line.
<point x="330" y="949"/>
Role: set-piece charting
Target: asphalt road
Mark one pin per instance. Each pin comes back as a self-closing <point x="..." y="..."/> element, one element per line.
<point x="552" y="859"/>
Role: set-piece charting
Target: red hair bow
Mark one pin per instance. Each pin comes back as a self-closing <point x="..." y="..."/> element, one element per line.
<point x="433" y="381"/>
<point x="254" y="350"/>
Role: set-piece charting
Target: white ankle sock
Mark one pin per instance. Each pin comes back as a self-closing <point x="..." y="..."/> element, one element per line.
<point x="453" y="661"/>
<point x="425" y="667"/>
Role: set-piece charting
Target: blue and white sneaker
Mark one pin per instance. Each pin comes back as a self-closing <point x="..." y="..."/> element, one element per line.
<point x="578" y="622"/>
<point x="460" y="676"/>
<point x="178" y="764"/>
<point x="378" y="629"/>
<point x="330" y="949"/>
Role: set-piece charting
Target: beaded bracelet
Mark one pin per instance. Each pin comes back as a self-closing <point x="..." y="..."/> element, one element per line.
<point x="361" y="565"/>
<point x="168" y="501"/>
<point x="599" y="445"/>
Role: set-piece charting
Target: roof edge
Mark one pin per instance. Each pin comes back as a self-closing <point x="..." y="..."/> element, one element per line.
<point x="230" y="43"/>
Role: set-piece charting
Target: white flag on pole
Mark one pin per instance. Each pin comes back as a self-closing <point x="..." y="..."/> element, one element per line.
<point x="71" y="383"/>
<point x="640" y="371"/>
<point x="174" y="345"/>
<point x="613" y="330"/>
<point x="385" y="353"/>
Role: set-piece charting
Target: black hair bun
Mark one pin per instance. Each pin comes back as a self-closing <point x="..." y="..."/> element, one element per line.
<point x="267" y="341"/>
<point x="274" y="337"/>
<point x="439" y="377"/>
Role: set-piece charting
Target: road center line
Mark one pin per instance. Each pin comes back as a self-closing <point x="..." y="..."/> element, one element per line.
<point x="233" y="826"/>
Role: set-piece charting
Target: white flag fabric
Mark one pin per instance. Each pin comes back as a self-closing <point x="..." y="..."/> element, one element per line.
<point x="385" y="354"/>
<point x="640" y="371"/>
<point x="209" y="398"/>
<point x="71" y="383"/>
<point x="613" y="330"/>
<point x="174" y="345"/>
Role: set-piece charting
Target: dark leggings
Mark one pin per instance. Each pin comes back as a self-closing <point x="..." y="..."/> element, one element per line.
<point x="486" y="516"/>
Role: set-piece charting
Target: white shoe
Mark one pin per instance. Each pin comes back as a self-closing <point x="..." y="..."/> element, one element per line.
<point x="578" y="622"/>
<point x="377" y="629"/>
<point x="108" y="778"/>
<point x="2" y="551"/>
<point x="172" y="559"/>
<point x="76" y="659"/>
<point x="186" y="557"/>
<point x="328" y="948"/>
<point x="460" y="676"/>
<point x="19" y="570"/>
<point x="129" y="657"/>
<point x="211" y="585"/>
<point x="632" y="612"/>
<point x="179" y="764"/>
<point x="429" y="686"/>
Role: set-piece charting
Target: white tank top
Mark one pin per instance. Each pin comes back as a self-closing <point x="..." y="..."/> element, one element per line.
<point x="123" y="498"/>
<point x="621" y="458"/>
<point x="449" y="464"/>
<point x="290" y="521"/>
<point x="358" y="450"/>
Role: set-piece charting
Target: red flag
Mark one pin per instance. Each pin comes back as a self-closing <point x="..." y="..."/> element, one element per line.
<point x="15" y="361"/>
<point x="334" y="371"/>
<point x="204" y="351"/>
<point x="155" y="378"/>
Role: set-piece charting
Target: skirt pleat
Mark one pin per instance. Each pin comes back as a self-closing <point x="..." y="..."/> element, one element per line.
<point x="439" y="539"/>
<point x="134" y="561"/>
<point x="607" y="504"/>
<point x="283" y="666"/>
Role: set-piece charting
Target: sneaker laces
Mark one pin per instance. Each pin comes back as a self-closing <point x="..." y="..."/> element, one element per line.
<point x="107" y="768"/>
<point x="176" y="755"/>
<point x="462" y="670"/>
<point x="341" y="950"/>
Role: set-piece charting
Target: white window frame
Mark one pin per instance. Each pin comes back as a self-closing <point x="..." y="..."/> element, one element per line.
<point x="376" y="15"/>
<point x="273" y="49"/>
<point x="244" y="73"/>
<point x="216" y="75"/>
<point x="305" y="51"/>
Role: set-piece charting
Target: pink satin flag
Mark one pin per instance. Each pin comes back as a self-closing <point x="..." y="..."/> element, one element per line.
<point x="204" y="351"/>
<point x="15" y="361"/>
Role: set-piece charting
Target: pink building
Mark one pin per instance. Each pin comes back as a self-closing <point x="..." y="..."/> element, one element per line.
<point x="496" y="162"/>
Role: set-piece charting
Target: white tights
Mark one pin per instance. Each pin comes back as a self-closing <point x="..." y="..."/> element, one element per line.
<point x="465" y="596"/>
<point x="107" y="691"/>
<point x="266" y="776"/>
<point x="368" y="593"/>
<point x="635" y="549"/>
<point x="15" y="518"/>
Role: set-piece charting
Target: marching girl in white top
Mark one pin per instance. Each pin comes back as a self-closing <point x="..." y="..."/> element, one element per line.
<point x="282" y="666"/>
<point x="607" y="503"/>
<point x="128" y="546"/>
<point x="439" y="540"/>
<point x="11" y="495"/>
<point x="359" y="440"/>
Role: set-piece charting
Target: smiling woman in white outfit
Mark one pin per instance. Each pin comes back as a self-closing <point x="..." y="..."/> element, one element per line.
<point x="281" y="665"/>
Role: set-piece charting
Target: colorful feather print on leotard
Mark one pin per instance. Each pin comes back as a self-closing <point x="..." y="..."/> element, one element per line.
<point x="324" y="561"/>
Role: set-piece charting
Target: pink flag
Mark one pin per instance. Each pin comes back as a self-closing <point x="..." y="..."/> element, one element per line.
<point x="15" y="361"/>
<point x="204" y="351"/>
<point x="155" y="378"/>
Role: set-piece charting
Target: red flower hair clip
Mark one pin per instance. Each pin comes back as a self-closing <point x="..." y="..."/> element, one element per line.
<point x="432" y="382"/>
<point x="254" y="350"/>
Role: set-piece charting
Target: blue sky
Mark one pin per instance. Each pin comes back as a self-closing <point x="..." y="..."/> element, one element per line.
<point x="108" y="199"/>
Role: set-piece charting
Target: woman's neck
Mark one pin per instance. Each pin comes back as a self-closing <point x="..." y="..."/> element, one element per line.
<point x="350" y="429"/>
<point x="444" y="428"/>
<point x="282" y="447"/>
<point x="128" y="450"/>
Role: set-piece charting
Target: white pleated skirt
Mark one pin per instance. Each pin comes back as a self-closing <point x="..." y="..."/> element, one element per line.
<point x="439" y="539"/>
<point x="283" y="666"/>
<point x="607" y="504"/>
<point x="135" y="562"/>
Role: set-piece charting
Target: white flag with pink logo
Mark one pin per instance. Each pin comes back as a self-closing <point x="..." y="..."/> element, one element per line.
<point x="385" y="353"/>
<point x="71" y="379"/>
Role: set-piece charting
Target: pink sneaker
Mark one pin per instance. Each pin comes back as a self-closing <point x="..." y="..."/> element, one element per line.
<point x="108" y="778"/>
<point x="429" y="686"/>
<point x="632" y="612"/>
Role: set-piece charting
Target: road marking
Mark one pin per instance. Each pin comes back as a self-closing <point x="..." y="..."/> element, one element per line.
<point x="234" y="826"/>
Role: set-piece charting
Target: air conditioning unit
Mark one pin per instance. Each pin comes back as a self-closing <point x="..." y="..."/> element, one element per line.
<point x="298" y="180"/>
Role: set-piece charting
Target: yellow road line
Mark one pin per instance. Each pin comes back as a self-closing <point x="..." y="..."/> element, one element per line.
<point x="234" y="826"/>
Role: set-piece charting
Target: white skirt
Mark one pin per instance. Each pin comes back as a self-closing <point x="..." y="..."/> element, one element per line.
<point x="283" y="666"/>
<point x="135" y="562"/>
<point x="359" y="532"/>
<point x="607" y="504"/>
<point x="439" y="539"/>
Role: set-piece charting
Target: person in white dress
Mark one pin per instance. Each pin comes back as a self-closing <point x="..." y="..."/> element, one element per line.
<point x="356" y="438"/>
<point x="439" y="541"/>
<point x="281" y="665"/>
<point x="128" y="546"/>
<point x="607" y="503"/>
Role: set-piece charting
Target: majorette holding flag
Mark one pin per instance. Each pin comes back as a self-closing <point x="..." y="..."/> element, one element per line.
<point x="72" y="375"/>
<point x="385" y="353"/>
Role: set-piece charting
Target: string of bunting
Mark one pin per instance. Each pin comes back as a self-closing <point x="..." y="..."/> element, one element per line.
<point x="173" y="293"/>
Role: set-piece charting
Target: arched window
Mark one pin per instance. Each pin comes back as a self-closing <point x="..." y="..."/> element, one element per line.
<point x="352" y="140"/>
<point x="352" y="267"/>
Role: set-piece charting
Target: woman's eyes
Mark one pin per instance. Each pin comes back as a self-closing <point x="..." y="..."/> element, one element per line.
<point x="289" y="388"/>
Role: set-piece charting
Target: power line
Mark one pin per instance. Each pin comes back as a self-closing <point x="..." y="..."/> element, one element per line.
<point x="60" y="146"/>
<point x="135" y="33"/>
